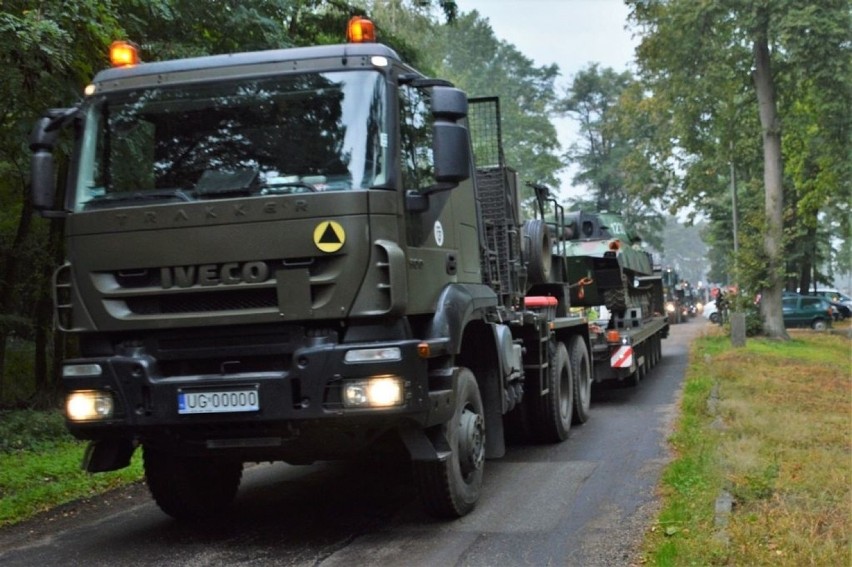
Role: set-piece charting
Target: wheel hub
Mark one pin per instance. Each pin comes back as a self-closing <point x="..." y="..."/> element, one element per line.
<point x="471" y="442"/>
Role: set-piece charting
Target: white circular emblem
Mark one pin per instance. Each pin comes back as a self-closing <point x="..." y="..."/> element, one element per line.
<point x="439" y="233"/>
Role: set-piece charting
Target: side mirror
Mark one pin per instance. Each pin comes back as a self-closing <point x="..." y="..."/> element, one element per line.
<point x="42" y="172"/>
<point x="451" y="139"/>
<point x="451" y="152"/>
<point x="448" y="103"/>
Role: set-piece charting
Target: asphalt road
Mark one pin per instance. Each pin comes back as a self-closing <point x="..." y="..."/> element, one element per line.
<point x="587" y="502"/>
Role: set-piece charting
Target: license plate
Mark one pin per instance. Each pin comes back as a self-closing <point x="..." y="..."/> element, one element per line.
<point x="224" y="401"/>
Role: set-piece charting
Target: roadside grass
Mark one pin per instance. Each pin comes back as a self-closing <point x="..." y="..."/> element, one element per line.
<point x="40" y="466"/>
<point x="770" y="425"/>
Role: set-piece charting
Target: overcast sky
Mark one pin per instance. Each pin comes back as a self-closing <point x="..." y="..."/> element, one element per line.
<point x="570" y="33"/>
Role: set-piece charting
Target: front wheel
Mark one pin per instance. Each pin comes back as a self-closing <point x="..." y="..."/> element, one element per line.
<point x="819" y="325"/>
<point x="188" y="488"/>
<point x="451" y="488"/>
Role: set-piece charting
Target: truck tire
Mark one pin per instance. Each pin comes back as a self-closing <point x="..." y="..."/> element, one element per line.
<point x="451" y="488"/>
<point x="639" y="374"/>
<point x="656" y="346"/>
<point x="582" y="374"/>
<point x="538" y="250"/>
<point x="819" y="325"/>
<point x="551" y="414"/>
<point x="190" y="488"/>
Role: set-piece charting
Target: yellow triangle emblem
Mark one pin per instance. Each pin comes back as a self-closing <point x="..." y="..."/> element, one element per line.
<point x="329" y="236"/>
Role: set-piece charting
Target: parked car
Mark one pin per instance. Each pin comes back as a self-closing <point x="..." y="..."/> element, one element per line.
<point x="840" y="310"/>
<point x="841" y="301"/>
<point x="710" y="312"/>
<point x="807" y="311"/>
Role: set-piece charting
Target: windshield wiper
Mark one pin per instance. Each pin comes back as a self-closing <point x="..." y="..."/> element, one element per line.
<point x="140" y="197"/>
<point x="287" y="187"/>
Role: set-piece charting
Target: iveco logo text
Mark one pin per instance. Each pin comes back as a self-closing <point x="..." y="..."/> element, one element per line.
<point x="214" y="274"/>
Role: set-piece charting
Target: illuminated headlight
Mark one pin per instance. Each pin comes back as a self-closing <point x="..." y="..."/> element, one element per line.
<point x="379" y="392"/>
<point x="670" y="307"/>
<point x="74" y="370"/>
<point x="89" y="405"/>
<point x="379" y="61"/>
<point x="389" y="354"/>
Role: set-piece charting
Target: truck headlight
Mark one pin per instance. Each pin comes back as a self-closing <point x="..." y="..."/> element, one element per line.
<point x="89" y="405"/>
<point x="670" y="307"/>
<point x="378" y="392"/>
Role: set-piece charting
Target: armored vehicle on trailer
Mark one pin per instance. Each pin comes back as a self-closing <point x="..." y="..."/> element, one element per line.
<point x="614" y="272"/>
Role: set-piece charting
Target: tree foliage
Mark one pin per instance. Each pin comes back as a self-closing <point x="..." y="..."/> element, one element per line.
<point x="600" y="101"/>
<point x="467" y="52"/>
<point x="764" y="86"/>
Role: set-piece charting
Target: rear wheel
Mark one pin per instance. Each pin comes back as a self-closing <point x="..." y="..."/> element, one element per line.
<point x="451" y="488"/>
<point x="582" y="374"/>
<point x="551" y="414"/>
<point x="639" y="374"/>
<point x="188" y="488"/>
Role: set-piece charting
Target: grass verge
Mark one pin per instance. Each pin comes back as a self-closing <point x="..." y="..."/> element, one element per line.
<point x="40" y="466"/>
<point x="768" y="425"/>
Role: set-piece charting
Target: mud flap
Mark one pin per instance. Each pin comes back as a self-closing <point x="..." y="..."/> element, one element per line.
<point x="108" y="455"/>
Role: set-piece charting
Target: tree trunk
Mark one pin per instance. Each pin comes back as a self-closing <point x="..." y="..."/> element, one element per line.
<point x="809" y="259"/>
<point x="770" y="305"/>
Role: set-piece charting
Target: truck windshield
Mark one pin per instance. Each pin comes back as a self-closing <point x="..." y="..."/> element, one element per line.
<point x="264" y="136"/>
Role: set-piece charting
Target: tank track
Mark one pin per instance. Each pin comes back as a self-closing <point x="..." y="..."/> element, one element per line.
<point x="619" y="300"/>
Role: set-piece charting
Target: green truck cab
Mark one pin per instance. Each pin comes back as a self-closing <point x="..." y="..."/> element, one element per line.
<point x="293" y="255"/>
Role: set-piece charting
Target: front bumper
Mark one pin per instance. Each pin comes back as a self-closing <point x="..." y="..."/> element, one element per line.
<point x="300" y="417"/>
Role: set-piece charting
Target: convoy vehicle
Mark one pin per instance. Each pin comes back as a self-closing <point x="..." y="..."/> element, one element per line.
<point x="616" y="277"/>
<point x="297" y="255"/>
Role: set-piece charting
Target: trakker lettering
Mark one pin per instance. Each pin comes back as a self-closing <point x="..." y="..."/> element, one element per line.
<point x="230" y="273"/>
<point x="181" y="216"/>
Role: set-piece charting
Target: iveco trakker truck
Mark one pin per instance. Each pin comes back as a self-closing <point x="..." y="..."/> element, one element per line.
<point x="293" y="255"/>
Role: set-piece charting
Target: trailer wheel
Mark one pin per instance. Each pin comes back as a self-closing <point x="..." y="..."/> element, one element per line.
<point x="639" y="374"/>
<point x="451" y="488"/>
<point x="551" y="414"/>
<point x="188" y="488"/>
<point x="582" y="374"/>
<point x="538" y="250"/>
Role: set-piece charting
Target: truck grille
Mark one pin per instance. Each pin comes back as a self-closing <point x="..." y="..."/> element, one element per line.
<point x="203" y="302"/>
<point x="168" y="291"/>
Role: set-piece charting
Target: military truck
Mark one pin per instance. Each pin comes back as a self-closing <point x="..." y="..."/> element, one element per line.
<point x="675" y="292"/>
<point x="297" y="255"/>
<point x="616" y="274"/>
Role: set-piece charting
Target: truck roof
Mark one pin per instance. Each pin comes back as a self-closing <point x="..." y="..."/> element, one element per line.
<point x="272" y="56"/>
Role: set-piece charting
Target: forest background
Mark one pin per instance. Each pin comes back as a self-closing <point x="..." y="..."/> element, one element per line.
<point x="685" y="140"/>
